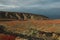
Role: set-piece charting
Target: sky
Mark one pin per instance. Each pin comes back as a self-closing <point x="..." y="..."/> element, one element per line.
<point x="49" y="8"/>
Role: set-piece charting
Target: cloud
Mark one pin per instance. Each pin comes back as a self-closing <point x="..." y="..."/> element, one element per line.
<point x="7" y="7"/>
<point x="29" y="4"/>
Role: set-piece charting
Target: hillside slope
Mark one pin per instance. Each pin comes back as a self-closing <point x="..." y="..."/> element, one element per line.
<point x="35" y="26"/>
<point x="21" y="16"/>
<point x="42" y="25"/>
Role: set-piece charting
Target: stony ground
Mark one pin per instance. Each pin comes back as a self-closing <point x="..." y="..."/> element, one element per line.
<point x="35" y="30"/>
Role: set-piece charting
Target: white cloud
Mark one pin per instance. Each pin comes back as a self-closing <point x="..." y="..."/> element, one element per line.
<point x="7" y="7"/>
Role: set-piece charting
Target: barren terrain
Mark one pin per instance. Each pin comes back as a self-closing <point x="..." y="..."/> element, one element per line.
<point x="43" y="25"/>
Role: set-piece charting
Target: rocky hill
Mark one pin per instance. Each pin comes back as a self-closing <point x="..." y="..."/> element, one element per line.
<point x="21" y="16"/>
<point x="36" y="27"/>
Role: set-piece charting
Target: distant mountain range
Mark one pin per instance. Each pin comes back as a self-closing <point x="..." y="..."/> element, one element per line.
<point x="21" y="16"/>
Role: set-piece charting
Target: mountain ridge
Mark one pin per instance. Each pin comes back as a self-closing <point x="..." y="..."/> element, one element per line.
<point x="22" y="16"/>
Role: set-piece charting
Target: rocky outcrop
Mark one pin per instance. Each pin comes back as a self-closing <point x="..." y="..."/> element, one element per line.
<point x="21" y="16"/>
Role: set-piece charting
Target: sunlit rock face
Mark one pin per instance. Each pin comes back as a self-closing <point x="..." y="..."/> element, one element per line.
<point x="21" y="16"/>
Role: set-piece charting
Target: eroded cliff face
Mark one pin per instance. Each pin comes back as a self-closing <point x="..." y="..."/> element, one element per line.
<point x="21" y="16"/>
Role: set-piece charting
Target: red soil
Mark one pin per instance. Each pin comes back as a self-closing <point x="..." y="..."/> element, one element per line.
<point x="7" y="37"/>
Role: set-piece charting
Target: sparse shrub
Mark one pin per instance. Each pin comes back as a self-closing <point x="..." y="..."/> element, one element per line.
<point x="2" y="28"/>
